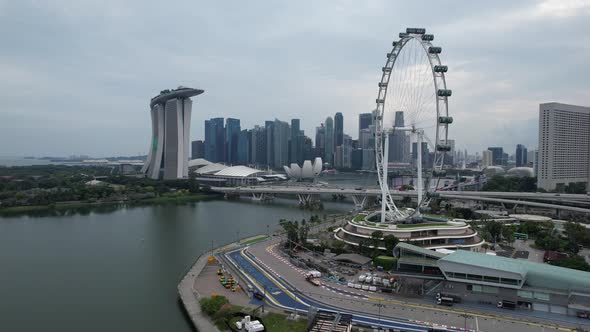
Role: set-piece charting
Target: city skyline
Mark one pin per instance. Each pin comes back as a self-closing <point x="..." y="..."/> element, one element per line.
<point x="79" y="83"/>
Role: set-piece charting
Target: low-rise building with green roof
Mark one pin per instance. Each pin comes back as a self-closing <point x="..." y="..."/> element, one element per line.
<point x="484" y="278"/>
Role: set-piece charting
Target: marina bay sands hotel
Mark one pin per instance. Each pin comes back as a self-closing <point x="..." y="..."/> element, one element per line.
<point x="171" y="120"/>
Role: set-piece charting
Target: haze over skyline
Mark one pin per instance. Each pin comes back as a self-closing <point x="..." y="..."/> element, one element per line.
<point x="78" y="76"/>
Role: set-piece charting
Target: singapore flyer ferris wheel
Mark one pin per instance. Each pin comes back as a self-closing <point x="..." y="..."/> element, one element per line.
<point x="413" y="82"/>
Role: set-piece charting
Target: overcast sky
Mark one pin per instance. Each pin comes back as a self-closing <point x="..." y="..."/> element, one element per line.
<point x="77" y="76"/>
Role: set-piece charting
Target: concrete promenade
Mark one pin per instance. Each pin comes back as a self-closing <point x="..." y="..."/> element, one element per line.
<point x="190" y="296"/>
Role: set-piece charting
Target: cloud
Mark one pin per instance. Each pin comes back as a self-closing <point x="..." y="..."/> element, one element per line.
<point x="78" y="75"/>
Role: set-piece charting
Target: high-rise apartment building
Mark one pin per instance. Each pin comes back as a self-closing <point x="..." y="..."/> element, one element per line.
<point x="169" y="148"/>
<point x="338" y="129"/>
<point x="521" y="156"/>
<point x="197" y="149"/>
<point x="564" y="145"/>
<point x="329" y="142"/>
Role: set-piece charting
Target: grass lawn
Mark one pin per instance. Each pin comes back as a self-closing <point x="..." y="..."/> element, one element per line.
<point x="359" y="217"/>
<point x="279" y="323"/>
<point x="256" y="239"/>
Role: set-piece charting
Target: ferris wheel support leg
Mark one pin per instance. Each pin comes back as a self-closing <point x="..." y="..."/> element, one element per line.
<point x="384" y="193"/>
<point x="419" y="170"/>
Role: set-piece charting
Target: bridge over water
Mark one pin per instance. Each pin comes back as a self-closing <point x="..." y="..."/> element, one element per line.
<point x="362" y="197"/>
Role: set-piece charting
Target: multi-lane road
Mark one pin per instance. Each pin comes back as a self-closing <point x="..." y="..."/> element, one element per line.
<point x="263" y="266"/>
<point x="572" y="202"/>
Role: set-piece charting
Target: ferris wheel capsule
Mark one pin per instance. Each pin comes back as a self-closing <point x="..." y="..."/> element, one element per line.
<point x="440" y="69"/>
<point x="434" y="50"/>
<point x="444" y="93"/>
<point x="418" y="31"/>
<point x="445" y="119"/>
<point x="427" y="37"/>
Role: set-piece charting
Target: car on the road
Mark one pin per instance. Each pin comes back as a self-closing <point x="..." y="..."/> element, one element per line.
<point x="258" y="295"/>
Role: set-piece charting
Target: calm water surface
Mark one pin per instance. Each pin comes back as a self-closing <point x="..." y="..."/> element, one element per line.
<point x="117" y="269"/>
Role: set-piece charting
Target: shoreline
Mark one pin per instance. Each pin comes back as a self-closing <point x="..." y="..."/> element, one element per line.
<point x="26" y="209"/>
<point x="189" y="296"/>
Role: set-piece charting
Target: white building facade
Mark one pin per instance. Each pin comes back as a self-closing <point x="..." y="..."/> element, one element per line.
<point x="486" y="158"/>
<point x="564" y="145"/>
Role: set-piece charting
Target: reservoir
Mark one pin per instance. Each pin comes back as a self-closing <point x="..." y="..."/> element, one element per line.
<point x="117" y="268"/>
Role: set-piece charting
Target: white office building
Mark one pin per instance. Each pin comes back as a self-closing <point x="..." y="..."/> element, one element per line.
<point x="564" y="145"/>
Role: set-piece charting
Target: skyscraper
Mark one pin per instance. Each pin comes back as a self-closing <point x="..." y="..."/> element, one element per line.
<point x="487" y="158"/>
<point x="281" y="144"/>
<point x="426" y="160"/>
<point x="197" y="149"/>
<point x="258" y="146"/>
<point x="329" y="142"/>
<point x="243" y="151"/>
<point x="521" y="155"/>
<point x="171" y="119"/>
<point x="564" y="145"/>
<point x="365" y="120"/>
<point x="497" y="156"/>
<point x="214" y="140"/>
<point x="296" y="141"/>
<point x="399" y="142"/>
<point x="270" y="142"/>
<point x="232" y="133"/>
<point x="338" y="129"/>
<point x="320" y="140"/>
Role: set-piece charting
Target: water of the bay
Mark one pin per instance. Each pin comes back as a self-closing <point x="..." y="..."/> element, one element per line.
<point x="116" y="269"/>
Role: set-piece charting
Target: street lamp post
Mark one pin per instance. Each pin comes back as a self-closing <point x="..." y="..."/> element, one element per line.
<point x="379" y="305"/>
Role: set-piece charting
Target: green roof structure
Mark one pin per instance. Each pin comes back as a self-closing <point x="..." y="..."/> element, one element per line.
<point x="536" y="275"/>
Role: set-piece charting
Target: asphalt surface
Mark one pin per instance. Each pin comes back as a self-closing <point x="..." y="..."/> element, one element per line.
<point x="285" y="284"/>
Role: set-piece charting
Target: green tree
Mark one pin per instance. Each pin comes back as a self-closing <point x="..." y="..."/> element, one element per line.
<point x="364" y="247"/>
<point x="390" y="242"/>
<point x="494" y="229"/>
<point x="507" y="234"/>
<point x="210" y="305"/>
<point x="577" y="234"/>
<point x="303" y="231"/>
<point x="575" y="262"/>
<point x="376" y="237"/>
